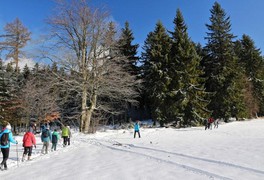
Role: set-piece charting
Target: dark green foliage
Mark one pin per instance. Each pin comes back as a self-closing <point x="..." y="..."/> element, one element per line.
<point x="9" y="88"/>
<point x="252" y="62"/>
<point x="26" y="72"/>
<point x="3" y="85"/>
<point x="186" y="86"/>
<point x="128" y="49"/>
<point x="221" y="67"/>
<point x="36" y="68"/>
<point x="155" y="69"/>
<point x="173" y="76"/>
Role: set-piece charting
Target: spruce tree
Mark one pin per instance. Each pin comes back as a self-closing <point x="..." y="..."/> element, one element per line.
<point x="155" y="70"/>
<point x="36" y="69"/>
<point x="26" y="72"/>
<point x="4" y="91"/>
<point x="128" y="49"/>
<point x="223" y="73"/>
<point x="252" y="62"/>
<point x="186" y="95"/>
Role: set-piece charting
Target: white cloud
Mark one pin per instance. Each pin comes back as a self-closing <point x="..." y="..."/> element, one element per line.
<point x="22" y="62"/>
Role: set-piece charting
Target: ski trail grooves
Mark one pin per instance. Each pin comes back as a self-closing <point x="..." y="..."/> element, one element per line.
<point x="189" y="168"/>
<point x="197" y="158"/>
<point x="186" y="160"/>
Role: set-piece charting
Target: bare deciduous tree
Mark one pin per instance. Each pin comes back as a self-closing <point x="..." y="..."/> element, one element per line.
<point x="16" y="37"/>
<point x="83" y="37"/>
<point x="37" y="99"/>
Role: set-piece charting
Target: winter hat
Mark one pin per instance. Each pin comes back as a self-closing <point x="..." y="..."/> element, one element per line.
<point x="8" y="126"/>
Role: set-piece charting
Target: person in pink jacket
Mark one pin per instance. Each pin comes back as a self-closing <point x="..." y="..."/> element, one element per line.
<point x="28" y="141"/>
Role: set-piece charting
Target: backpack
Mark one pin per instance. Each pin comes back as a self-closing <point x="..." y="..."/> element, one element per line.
<point x="4" y="139"/>
<point x="45" y="134"/>
<point x="54" y="138"/>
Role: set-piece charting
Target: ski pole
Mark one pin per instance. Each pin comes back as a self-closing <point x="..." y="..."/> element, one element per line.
<point x="17" y="153"/>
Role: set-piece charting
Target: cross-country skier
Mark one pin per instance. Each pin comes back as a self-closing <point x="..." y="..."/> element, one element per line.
<point x="136" y="129"/>
<point x="28" y="141"/>
<point x="54" y="139"/>
<point x="6" y="137"/>
<point x="66" y="135"/>
<point x="45" y="138"/>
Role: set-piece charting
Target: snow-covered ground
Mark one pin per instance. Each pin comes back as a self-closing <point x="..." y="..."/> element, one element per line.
<point x="233" y="151"/>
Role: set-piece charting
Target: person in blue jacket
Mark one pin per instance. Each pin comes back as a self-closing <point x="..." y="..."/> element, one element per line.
<point x="136" y="128"/>
<point x="45" y="138"/>
<point x="6" y="137"/>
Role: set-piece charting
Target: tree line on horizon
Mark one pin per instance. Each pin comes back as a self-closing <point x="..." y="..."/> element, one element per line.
<point x="97" y="78"/>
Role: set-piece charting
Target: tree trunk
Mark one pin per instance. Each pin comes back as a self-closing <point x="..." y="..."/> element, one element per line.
<point x="84" y="108"/>
<point x="89" y="113"/>
<point x="16" y="58"/>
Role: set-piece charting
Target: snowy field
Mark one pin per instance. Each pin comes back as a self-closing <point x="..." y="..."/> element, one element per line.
<point x="233" y="151"/>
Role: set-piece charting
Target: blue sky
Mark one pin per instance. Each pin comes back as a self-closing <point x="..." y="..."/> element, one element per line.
<point x="246" y="15"/>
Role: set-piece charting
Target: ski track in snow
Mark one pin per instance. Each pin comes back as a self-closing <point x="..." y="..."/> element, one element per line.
<point x="214" y="168"/>
<point x="202" y="159"/>
<point x="189" y="168"/>
<point x="130" y="148"/>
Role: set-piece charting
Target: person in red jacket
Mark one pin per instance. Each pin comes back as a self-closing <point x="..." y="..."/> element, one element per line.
<point x="211" y="121"/>
<point x="28" y="141"/>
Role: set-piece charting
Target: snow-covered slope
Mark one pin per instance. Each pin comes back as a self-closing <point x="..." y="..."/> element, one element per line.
<point x="233" y="151"/>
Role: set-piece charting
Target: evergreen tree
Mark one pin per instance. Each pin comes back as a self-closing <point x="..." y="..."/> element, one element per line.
<point x="36" y="69"/>
<point x="186" y="92"/>
<point x="128" y="49"/>
<point x="4" y="92"/>
<point x="26" y="72"/>
<point x="54" y="67"/>
<point x="110" y="37"/>
<point x="9" y="88"/>
<point x="9" y="68"/>
<point x="155" y="70"/>
<point x="253" y="65"/>
<point x="222" y="70"/>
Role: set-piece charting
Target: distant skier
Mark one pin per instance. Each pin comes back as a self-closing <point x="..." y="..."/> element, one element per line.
<point x="28" y="141"/>
<point x="216" y="122"/>
<point x="136" y="129"/>
<point x="206" y="124"/>
<point x="66" y="135"/>
<point x="6" y="137"/>
<point x="54" y="140"/>
<point x="45" y="138"/>
<point x="210" y="121"/>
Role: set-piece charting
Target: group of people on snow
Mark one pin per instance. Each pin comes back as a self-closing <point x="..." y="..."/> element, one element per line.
<point x="29" y="141"/>
<point x="208" y="123"/>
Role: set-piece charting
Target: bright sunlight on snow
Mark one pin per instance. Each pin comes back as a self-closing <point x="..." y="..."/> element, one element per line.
<point x="233" y="151"/>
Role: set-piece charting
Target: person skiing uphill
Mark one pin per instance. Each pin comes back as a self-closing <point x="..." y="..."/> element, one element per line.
<point x="45" y="138"/>
<point x="211" y="121"/>
<point x="66" y="135"/>
<point x="216" y="122"/>
<point x="54" y="140"/>
<point x="28" y="141"/>
<point x="136" y="129"/>
<point x="6" y="137"/>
